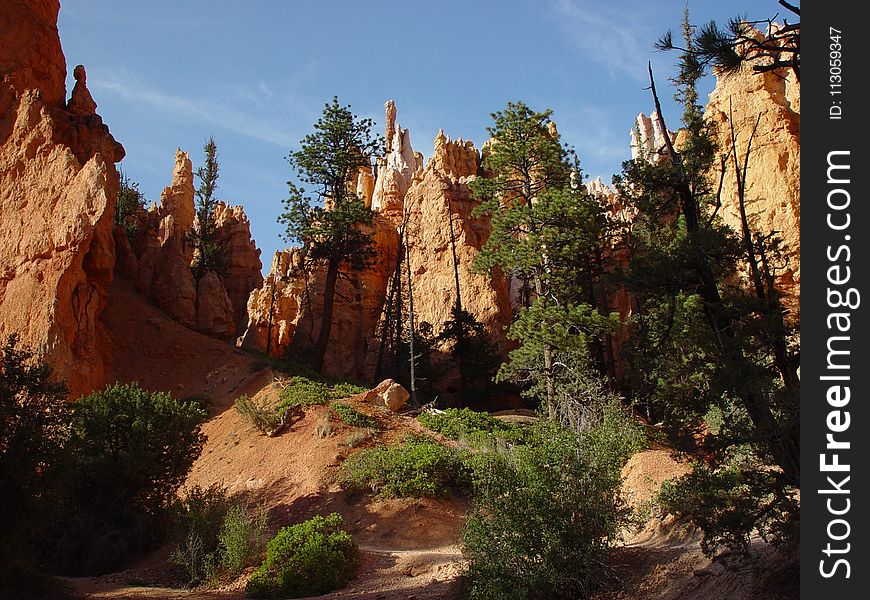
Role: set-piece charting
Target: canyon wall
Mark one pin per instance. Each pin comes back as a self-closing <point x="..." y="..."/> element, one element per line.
<point x="158" y="259"/>
<point x="58" y="185"/>
<point x="772" y="100"/>
<point x="766" y="107"/>
<point x="425" y="202"/>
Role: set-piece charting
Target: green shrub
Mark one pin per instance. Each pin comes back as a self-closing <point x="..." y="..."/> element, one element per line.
<point x="353" y="417"/>
<point x="203" y="401"/>
<point x="241" y="538"/>
<point x="303" y="392"/>
<point x="34" y="427"/>
<point x="457" y="423"/>
<point x="219" y="536"/>
<point x="343" y="390"/>
<point x="307" y="559"/>
<point x="416" y="468"/>
<point x="542" y="517"/>
<point x="259" y="415"/>
<point x="199" y="516"/>
<point x="313" y="389"/>
<point x="474" y="428"/>
<point x="130" y="451"/>
<point x="724" y="503"/>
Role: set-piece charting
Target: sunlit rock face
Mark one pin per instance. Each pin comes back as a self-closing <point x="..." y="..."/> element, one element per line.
<point x="58" y="186"/>
<point x="160" y="257"/>
<point x="422" y="202"/>
<point x="773" y="175"/>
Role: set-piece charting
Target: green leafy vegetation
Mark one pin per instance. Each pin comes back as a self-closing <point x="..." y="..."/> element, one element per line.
<point x="219" y="536"/>
<point x="547" y="233"/>
<point x="198" y="517"/>
<point x="307" y="559"/>
<point x="416" y="468"/>
<point x="209" y="255"/>
<point x="260" y="415"/>
<point x="241" y="538"/>
<point x="710" y="338"/>
<point x="457" y="423"/>
<point x="130" y="451"/>
<point x="303" y="391"/>
<point x="544" y="513"/>
<point x="353" y="417"/>
<point x="128" y="207"/>
<point x="34" y="426"/>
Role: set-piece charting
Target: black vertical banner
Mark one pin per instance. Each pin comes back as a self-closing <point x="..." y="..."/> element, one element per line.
<point x="835" y="298"/>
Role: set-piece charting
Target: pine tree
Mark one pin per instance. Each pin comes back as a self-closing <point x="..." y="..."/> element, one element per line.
<point x="334" y="227"/>
<point x="129" y="203"/>
<point x="209" y="255"/>
<point x="542" y="222"/>
<point x="778" y="46"/>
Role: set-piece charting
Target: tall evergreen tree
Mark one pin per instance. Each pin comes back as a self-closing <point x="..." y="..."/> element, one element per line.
<point x="542" y="219"/>
<point x="335" y="226"/>
<point x="209" y="255"/>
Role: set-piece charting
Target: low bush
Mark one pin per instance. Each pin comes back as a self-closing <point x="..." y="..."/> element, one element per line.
<point x="356" y="438"/>
<point x="241" y="538"/>
<point x="303" y="391"/>
<point x="198" y="517"/>
<point x="307" y="559"/>
<point x="472" y="427"/>
<point x="460" y="422"/>
<point x="724" y="503"/>
<point x="353" y="417"/>
<point x="542" y="517"/>
<point x="261" y="416"/>
<point x="203" y="401"/>
<point x="345" y="390"/>
<point x="416" y="468"/>
<point x="34" y="427"/>
<point x="218" y="535"/>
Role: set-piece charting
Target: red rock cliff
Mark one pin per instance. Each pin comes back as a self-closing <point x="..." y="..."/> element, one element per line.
<point x="58" y="186"/>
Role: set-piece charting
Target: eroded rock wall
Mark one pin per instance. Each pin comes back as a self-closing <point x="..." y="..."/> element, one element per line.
<point x="158" y="260"/>
<point x="58" y="186"/>
<point x="438" y="200"/>
<point x="773" y="176"/>
<point x="285" y="313"/>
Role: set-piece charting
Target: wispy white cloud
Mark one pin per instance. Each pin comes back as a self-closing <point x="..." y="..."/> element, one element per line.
<point x="253" y="122"/>
<point x="618" y="39"/>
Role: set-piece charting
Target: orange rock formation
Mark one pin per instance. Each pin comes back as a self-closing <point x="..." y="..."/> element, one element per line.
<point x="773" y="176"/>
<point x="285" y="313"/>
<point x="57" y="196"/>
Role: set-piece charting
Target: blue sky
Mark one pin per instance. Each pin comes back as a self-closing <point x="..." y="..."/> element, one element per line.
<point x="256" y="75"/>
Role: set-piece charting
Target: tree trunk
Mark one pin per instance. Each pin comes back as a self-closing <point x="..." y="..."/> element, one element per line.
<point x="326" y="318"/>
<point x="413" y="360"/>
<point x="548" y="360"/>
<point x="460" y="332"/>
